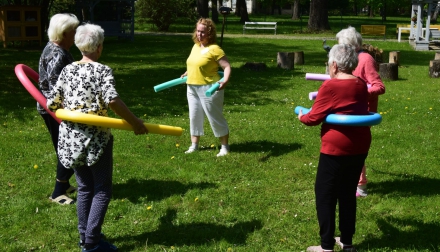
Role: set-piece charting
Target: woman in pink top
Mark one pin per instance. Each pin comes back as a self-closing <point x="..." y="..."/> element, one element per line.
<point x="367" y="71"/>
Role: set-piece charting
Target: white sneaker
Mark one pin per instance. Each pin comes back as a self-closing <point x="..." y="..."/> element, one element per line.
<point x="223" y="152"/>
<point x="190" y="150"/>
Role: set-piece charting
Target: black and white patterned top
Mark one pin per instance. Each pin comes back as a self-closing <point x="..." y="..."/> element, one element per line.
<point x="87" y="88"/>
<point x="52" y="61"/>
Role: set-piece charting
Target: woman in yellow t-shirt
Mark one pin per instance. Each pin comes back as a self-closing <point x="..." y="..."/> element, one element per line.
<point x="202" y="72"/>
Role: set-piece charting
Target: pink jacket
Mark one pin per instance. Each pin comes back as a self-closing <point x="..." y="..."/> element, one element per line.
<point x="367" y="71"/>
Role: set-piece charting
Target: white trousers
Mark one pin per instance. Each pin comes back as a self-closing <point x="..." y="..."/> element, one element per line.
<point x="200" y="105"/>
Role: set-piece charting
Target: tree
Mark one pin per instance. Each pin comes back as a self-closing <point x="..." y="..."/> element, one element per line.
<point x="241" y="11"/>
<point x="214" y="10"/>
<point x="163" y="13"/>
<point x="295" y="10"/>
<point x="202" y="8"/>
<point x="318" y="19"/>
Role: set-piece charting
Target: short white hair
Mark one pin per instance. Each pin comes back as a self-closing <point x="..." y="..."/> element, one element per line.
<point x="59" y="24"/>
<point x="344" y="56"/>
<point x="88" y="37"/>
<point x="350" y="36"/>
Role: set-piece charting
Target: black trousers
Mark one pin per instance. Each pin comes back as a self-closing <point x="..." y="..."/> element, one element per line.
<point x="53" y="127"/>
<point x="336" y="181"/>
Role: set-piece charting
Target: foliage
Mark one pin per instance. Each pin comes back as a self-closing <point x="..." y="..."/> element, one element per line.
<point x="163" y="13"/>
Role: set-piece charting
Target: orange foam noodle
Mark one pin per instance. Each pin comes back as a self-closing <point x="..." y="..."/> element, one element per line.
<point x="114" y="123"/>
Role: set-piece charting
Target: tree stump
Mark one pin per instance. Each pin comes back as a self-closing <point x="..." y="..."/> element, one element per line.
<point x="255" y="66"/>
<point x="285" y="60"/>
<point x="394" y="57"/>
<point x="434" y="68"/>
<point x="298" y="58"/>
<point x="437" y="56"/>
<point x="389" y="71"/>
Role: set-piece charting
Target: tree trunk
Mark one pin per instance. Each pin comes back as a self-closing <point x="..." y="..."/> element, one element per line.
<point x="370" y="11"/>
<point x="434" y="68"/>
<point x="241" y="11"/>
<point x="394" y="57"/>
<point x="285" y="60"/>
<point x="295" y="10"/>
<point x="44" y="13"/>
<point x="389" y="71"/>
<point x="355" y="8"/>
<point x="203" y="8"/>
<point x="436" y="11"/>
<point x="318" y="20"/>
<point x="214" y="11"/>
<point x="298" y="58"/>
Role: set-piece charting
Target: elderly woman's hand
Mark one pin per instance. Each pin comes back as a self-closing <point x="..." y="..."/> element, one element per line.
<point x="139" y="127"/>
<point x="300" y="114"/>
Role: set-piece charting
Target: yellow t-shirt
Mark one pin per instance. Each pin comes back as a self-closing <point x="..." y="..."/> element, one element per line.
<point x="202" y="65"/>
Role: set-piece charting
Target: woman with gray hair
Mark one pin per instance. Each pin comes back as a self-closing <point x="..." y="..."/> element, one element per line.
<point x="88" y="87"/>
<point x="54" y="58"/>
<point x="366" y="70"/>
<point x="343" y="148"/>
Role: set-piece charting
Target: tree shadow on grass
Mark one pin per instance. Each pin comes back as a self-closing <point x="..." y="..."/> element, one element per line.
<point x="269" y="148"/>
<point x="154" y="190"/>
<point x="405" y="185"/>
<point x="420" y="235"/>
<point x="193" y="234"/>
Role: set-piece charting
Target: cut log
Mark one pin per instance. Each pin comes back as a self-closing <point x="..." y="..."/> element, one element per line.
<point x="285" y="60"/>
<point x="299" y="58"/>
<point x="389" y="71"/>
<point x="437" y="56"/>
<point x="434" y="68"/>
<point x="395" y="57"/>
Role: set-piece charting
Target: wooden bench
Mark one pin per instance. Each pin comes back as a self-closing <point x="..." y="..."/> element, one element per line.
<point x="434" y="34"/>
<point x="374" y="30"/>
<point x="260" y="26"/>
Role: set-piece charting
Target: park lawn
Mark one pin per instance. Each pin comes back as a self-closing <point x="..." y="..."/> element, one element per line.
<point x="286" y="26"/>
<point x="258" y="198"/>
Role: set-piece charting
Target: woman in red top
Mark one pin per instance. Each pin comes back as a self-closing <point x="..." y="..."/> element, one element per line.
<point x="343" y="148"/>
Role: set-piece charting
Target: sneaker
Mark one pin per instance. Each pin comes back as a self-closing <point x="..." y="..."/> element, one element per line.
<point x="361" y="191"/>
<point x="223" y="152"/>
<point x="190" y="150"/>
<point x="345" y="248"/>
<point x="317" y="249"/>
<point x="102" y="246"/>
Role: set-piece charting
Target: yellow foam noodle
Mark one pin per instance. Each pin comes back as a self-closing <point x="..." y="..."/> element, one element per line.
<point x="114" y="123"/>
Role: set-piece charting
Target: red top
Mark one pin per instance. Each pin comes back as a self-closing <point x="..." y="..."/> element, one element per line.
<point x="367" y="71"/>
<point x="341" y="96"/>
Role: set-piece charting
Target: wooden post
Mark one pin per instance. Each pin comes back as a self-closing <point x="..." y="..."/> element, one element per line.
<point x="285" y="60"/>
<point x="389" y="71"/>
<point x="434" y="68"/>
<point x="394" y="57"/>
<point x="437" y="56"/>
<point x="299" y="58"/>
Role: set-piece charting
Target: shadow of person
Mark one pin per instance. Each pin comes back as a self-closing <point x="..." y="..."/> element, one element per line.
<point x="154" y="190"/>
<point x="407" y="234"/>
<point x="405" y="185"/>
<point x="170" y="234"/>
<point x="268" y="148"/>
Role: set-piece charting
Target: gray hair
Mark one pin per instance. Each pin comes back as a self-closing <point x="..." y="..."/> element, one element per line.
<point x="350" y="36"/>
<point x="88" y="37"/>
<point x="345" y="57"/>
<point x="59" y="24"/>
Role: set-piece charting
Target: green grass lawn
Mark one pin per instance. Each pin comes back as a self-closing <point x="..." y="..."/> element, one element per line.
<point x="258" y="198"/>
